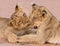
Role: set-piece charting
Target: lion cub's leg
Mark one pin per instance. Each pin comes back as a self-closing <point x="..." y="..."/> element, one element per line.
<point x="11" y="37"/>
<point x="34" y="38"/>
<point x="31" y="39"/>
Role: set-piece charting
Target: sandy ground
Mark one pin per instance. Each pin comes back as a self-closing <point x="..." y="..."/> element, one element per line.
<point x="4" y="42"/>
<point x="9" y="44"/>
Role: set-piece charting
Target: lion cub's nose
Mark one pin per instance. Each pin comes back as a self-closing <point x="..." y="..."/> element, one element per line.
<point x="35" y="27"/>
<point x="33" y="4"/>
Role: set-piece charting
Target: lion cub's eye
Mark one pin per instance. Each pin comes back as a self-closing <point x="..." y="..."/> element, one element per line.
<point x="19" y="21"/>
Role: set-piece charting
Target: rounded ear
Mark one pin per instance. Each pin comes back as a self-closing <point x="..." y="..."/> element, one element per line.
<point x="44" y="13"/>
<point x="17" y="8"/>
<point x="34" y="6"/>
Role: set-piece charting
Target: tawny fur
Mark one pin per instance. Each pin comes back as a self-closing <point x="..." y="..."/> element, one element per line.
<point x="11" y="28"/>
<point x="48" y="27"/>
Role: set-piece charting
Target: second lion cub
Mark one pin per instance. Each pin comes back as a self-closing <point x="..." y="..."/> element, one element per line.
<point x="48" y="27"/>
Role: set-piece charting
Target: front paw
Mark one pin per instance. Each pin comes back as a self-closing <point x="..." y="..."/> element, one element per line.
<point x="12" y="40"/>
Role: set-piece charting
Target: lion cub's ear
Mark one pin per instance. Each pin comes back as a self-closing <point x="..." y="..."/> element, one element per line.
<point x="44" y="13"/>
<point x="17" y="8"/>
<point x="34" y="6"/>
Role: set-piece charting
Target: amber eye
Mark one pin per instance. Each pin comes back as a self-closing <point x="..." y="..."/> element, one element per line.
<point x="19" y="21"/>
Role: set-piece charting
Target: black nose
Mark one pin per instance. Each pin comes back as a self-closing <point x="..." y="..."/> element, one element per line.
<point x="35" y="27"/>
<point x="33" y="4"/>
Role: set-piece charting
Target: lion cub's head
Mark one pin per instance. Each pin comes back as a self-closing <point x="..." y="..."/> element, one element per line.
<point x="40" y="15"/>
<point x="18" y="19"/>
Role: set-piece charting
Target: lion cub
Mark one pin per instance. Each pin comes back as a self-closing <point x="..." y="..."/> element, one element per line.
<point x="48" y="27"/>
<point x="11" y="28"/>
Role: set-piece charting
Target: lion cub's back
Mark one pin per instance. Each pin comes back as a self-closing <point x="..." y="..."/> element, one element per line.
<point x="3" y="21"/>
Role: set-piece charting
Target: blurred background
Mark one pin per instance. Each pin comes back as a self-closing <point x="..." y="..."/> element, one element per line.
<point x="7" y="7"/>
